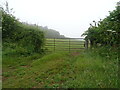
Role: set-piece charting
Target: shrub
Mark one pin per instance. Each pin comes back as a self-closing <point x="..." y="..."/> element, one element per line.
<point x="25" y="36"/>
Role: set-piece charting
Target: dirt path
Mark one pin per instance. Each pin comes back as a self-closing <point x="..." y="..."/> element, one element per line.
<point x="75" y="53"/>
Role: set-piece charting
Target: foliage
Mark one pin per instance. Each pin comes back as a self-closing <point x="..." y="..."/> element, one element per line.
<point x="9" y="25"/>
<point x="106" y="31"/>
<point x="20" y="36"/>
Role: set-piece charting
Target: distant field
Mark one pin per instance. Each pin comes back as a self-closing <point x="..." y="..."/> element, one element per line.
<point x="64" y="44"/>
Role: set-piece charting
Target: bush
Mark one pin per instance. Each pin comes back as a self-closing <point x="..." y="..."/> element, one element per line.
<point x="23" y="38"/>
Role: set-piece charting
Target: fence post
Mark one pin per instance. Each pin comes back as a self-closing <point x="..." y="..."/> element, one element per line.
<point x="69" y="44"/>
<point x="86" y="44"/>
<point x="54" y="44"/>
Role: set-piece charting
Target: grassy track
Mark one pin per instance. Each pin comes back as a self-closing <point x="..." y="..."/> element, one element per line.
<point x="60" y="70"/>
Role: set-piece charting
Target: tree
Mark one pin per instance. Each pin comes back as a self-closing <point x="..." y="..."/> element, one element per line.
<point x="106" y="31"/>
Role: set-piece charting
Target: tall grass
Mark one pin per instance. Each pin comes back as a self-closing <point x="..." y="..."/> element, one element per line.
<point x="62" y="70"/>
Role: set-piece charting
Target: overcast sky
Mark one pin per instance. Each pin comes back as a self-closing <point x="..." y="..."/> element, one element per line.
<point x="70" y="17"/>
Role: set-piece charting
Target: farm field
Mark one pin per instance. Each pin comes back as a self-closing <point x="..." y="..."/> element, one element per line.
<point x="60" y="70"/>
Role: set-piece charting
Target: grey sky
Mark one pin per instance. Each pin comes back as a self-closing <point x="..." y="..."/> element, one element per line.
<point x="70" y="17"/>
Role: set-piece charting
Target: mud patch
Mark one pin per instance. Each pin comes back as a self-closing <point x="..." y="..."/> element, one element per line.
<point x="75" y="53"/>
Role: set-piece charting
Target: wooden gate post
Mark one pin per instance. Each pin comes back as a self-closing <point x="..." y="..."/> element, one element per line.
<point x="86" y="44"/>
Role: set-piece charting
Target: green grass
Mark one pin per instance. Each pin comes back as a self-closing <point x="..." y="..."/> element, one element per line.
<point x="60" y="70"/>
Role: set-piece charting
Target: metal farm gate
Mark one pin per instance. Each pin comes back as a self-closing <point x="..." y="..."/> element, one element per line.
<point x="65" y="44"/>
